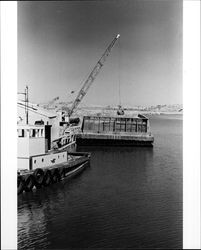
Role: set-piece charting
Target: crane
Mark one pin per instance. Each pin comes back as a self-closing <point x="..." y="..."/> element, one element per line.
<point x="92" y="76"/>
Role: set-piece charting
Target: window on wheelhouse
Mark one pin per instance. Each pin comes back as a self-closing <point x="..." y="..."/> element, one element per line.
<point x="21" y="133"/>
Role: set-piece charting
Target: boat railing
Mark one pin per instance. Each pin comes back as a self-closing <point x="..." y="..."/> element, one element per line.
<point x="66" y="139"/>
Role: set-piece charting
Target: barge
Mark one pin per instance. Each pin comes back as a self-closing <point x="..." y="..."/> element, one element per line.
<point x="115" y="130"/>
<point x="39" y="167"/>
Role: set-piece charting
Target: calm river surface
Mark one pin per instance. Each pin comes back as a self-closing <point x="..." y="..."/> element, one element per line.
<point x="129" y="197"/>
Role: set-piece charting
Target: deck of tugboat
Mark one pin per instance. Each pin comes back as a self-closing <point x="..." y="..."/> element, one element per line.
<point x="74" y="159"/>
<point x="72" y="162"/>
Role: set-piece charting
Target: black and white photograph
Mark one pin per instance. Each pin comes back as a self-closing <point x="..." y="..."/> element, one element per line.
<point x="99" y="137"/>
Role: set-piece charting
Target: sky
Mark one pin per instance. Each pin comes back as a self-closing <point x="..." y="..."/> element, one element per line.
<point x="59" y="43"/>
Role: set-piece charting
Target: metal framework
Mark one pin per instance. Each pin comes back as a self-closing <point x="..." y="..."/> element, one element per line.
<point x="97" y="124"/>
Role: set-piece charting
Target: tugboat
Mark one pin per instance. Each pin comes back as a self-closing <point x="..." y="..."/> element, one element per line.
<point x="39" y="165"/>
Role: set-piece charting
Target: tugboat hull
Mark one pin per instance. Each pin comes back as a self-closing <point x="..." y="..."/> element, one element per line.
<point x="42" y="177"/>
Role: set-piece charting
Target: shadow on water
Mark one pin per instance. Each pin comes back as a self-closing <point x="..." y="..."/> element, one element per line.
<point x="41" y="207"/>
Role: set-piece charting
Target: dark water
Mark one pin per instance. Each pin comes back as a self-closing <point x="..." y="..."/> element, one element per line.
<point x="128" y="198"/>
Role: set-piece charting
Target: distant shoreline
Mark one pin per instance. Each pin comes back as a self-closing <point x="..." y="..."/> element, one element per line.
<point x="161" y="113"/>
<point x="176" y="109"/>
<point x="106" y="111"/>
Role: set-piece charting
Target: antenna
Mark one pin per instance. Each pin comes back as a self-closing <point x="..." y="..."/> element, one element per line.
<point x="26" y="101"/>
<point x="26" y="104"/>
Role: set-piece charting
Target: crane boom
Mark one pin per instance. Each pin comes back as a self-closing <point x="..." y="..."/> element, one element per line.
<point x="92" y="76"/>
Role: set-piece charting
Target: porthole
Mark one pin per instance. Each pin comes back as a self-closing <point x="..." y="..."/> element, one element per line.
<point x="35" y="161"/>
<point x="42" y="160"/>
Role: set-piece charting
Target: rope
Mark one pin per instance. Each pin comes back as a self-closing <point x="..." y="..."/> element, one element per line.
<point x="119" y="73"/>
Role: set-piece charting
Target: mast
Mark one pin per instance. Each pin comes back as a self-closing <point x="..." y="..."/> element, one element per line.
<point x="26" y="101"/>
<point x="26" y="105"/>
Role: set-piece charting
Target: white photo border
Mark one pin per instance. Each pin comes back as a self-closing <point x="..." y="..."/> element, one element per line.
<point x="191" y="128"/>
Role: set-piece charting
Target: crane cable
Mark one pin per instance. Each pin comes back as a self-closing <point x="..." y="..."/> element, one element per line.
<point x="119" y="68"/>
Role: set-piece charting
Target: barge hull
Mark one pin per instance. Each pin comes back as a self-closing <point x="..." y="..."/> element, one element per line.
<point x="114" y="140"/>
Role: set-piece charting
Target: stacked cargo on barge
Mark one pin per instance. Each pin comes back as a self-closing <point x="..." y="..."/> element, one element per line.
<point x="115" y="130"/>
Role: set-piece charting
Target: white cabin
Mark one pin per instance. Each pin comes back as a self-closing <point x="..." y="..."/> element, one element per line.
<point x="37" y="113"/>
<point x="33" y="148"/>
